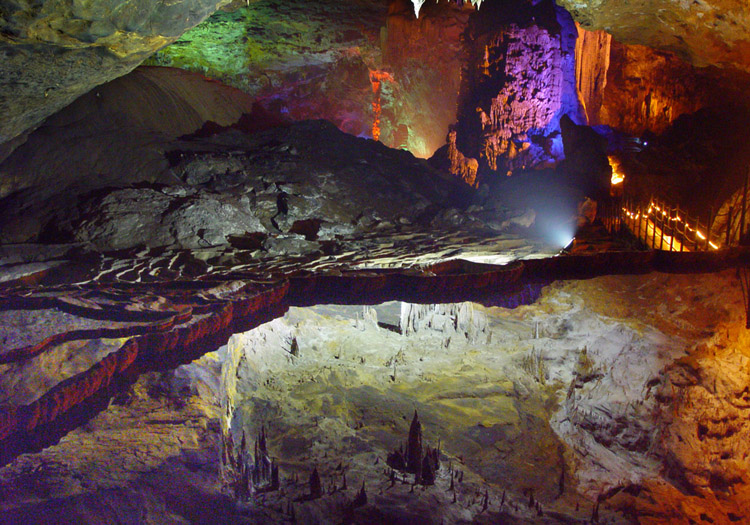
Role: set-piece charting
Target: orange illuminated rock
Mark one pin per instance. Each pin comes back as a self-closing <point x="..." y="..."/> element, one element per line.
<point x="707" y="32"/>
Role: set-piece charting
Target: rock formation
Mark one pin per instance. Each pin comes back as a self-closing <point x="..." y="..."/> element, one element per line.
<point x="426" y="55"/>
<point x="592" y="67"/>
<point x="415" y="458"/>
<point x="52" y="52"/>
<point x="518" y="81"/>
<point x="199" y="185"/>
<point x="635" y="89"/>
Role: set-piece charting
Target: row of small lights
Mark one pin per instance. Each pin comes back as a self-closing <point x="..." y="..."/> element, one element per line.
<point x="618" y="178"/>
<point x="677" y="218"/>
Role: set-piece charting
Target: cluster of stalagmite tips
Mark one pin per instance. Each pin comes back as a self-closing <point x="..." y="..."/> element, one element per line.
<point x="258" y="473"/>
<point x="254" y="474"/>
<point x="421" y="461"/>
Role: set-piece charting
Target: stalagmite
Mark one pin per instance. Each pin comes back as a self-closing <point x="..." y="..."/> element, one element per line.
<point x="428" y="471"/>
<point x="361" y="498"/>
<point x="316" y="490"/>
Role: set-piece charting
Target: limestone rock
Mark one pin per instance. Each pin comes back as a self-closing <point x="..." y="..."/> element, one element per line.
<point x="116" y="133"/>
<point x="52" y="52"/>
<point x="145" y="217"/>
<point x="284" y="181"/>
<point x="519" y="81"/>
<point x="636" y="89"/>
<point x="592" y="66"/>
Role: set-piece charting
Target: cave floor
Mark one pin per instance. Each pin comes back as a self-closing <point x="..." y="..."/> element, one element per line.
<point x="628" y="391"/>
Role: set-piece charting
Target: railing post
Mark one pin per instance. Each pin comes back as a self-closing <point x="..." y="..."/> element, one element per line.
<point x="744" y="207"/>
<point x="661" y="226"/>
<point x="696" y="239"/>
<point x="637" y="223"/>
<point x="729" y="226"/>
<point x="708" y="228"/>
<point x="640" y="223"/>
<point x="683" y="238"/>
<point x="671" y="228"/>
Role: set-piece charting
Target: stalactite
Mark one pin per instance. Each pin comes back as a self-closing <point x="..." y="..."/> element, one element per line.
<point x="377" y="77"/>
<point x="592" y="65"/>
<point x="419" y="3"/>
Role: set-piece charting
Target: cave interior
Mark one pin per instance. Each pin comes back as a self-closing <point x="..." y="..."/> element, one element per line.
<point x="374" y="261"/>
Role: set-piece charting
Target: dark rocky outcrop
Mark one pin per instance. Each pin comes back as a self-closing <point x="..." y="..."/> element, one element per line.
<point x="586" y="164"/>
<point x="137" y="177"/>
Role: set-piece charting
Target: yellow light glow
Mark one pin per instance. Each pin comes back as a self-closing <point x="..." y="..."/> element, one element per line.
<point x="699" y="234"/>
<point x="617" y="175"/>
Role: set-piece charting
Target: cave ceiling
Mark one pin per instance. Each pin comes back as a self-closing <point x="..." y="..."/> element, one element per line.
<point x="702" y="32"/>
<point x="53" y="51"/>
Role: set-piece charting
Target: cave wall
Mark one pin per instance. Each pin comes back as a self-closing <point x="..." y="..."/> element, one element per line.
<point x="701" y="32"/>
<point x="350" y="63"/>
<point x="299" y="59"/>
<point x="635" y="89"/>
<point x="425" y="56"/>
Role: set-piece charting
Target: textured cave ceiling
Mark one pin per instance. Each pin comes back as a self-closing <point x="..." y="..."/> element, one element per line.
<point x="703" y="32"/>
<point x="52" y="52"/>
